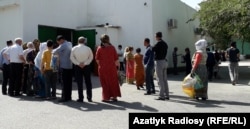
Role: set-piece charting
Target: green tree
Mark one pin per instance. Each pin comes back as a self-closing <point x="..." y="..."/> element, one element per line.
<point x="225" y="20"/>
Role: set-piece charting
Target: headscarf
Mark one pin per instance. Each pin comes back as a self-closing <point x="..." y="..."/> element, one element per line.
<point x="201" y="45"/>
<point x="42" y="48"/>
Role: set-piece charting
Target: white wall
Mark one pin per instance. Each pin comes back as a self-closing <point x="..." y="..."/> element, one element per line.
<point x="183" y="36"/>
<point x="11" y="22"/>
<point x="134" y="18"/>
<point x="58" y="13"/>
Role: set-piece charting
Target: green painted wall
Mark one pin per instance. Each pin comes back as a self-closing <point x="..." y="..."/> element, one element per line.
<point x="245" y="49"/>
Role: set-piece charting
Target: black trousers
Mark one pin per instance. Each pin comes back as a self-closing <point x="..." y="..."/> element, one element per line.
<point x="50" y="83"/>
<point x="66" y="83"/>
<point x="6" y="77"/>
<point x="188" y="68"/>
<point x="86" y="73"/>
<point x="16" y="71"/>
<point x="25" y="78"/>
<point x="210" y="69"/>
<point x="122" y="66"/>
<point x="175" y="68"/>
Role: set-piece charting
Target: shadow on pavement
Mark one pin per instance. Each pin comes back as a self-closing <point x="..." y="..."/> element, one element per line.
<point x="205" y="104"/>
<point x="94" y="106"/>
<point x="99" y="106"/>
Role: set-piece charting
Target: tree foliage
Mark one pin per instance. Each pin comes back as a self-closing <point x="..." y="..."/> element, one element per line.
<point x="225" y="20"/>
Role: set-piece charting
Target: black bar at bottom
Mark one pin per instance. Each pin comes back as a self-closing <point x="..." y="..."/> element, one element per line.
<point x="188" y="120"/>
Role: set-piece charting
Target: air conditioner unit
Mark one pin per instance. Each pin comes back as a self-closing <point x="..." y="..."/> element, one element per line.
<point x="172" y="23"/>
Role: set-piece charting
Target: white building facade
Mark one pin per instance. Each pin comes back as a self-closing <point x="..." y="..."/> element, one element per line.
<point x="129" y="21"/>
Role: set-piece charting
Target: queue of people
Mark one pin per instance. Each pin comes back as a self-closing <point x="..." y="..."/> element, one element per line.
<point x="38" y="69"/>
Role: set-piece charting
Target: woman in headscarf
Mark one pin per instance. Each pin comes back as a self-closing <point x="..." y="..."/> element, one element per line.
<point x="107" y="60"/>
<point x="139" y="69"/>
<point x="199" y="68"/>
<point x="130" y="66"/>
<point x="39" y="79"/>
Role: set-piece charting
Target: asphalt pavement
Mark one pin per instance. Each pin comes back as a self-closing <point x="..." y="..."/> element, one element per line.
<point x="32" y="113"/>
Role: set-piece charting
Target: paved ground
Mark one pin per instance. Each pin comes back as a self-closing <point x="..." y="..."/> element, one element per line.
<point x="31" y="113"/>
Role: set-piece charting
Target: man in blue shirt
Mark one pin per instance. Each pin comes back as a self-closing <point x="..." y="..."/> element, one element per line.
<point x="149" y="67"/>
<point x="65" y="64"/>
<point x="4" y="65"/>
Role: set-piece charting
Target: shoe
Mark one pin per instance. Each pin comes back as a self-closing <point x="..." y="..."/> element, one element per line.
<point x="38" y="96"/>
<point x="79" y="100"/>
<point x="147" y="93"/>
<point x="197" y="98"/>
<point x="114" y="99"/>
<point x="142" y="87"/>
<point x="47" y="98"/>
<point x="17" y="94"/>
<point x="160" y="98"/>
<point x="62" y="100"/>
<point x="30" y="94"/>
<point x="153" y="92"/>
<point x="138" y="88"/>
<point x="233" y="83"/>
<point x="11" y="94"/>
<point x="167" y="98"/>
<point x="53" y="97"/>
<point x="106" y="101"/>
<point x="90" y="100"/>
<point x="4" y="93"/>
<point x="203" y="98"/>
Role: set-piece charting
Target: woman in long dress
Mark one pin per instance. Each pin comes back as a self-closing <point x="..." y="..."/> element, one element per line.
<point x="107" y="60"/>
<point x="139" y="69"/>
<point x="130" y="66"/>
<point x="199" y="68"/>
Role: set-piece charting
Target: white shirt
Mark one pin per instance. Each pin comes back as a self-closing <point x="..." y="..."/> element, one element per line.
<point x="120" y="55"/>
<point x="81" y="54"/>
<point x="14" y="53"/>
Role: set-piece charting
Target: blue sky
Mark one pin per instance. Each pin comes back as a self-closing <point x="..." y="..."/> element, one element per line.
<point x="192" y="3"/>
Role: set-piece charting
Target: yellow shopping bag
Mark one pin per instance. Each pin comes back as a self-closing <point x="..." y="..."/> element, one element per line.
<point x="188" y="85"/>
<point x="189" y="91"/>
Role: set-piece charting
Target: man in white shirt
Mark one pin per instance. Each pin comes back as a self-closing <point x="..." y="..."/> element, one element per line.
<point x="81" y="55"/>
<point x="16" y="59"/>
<point x="5" y="66"/>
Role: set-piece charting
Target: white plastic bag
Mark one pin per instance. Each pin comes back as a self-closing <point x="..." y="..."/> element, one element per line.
<point x="188" y="85"/>
<point x="189" y="81"/>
